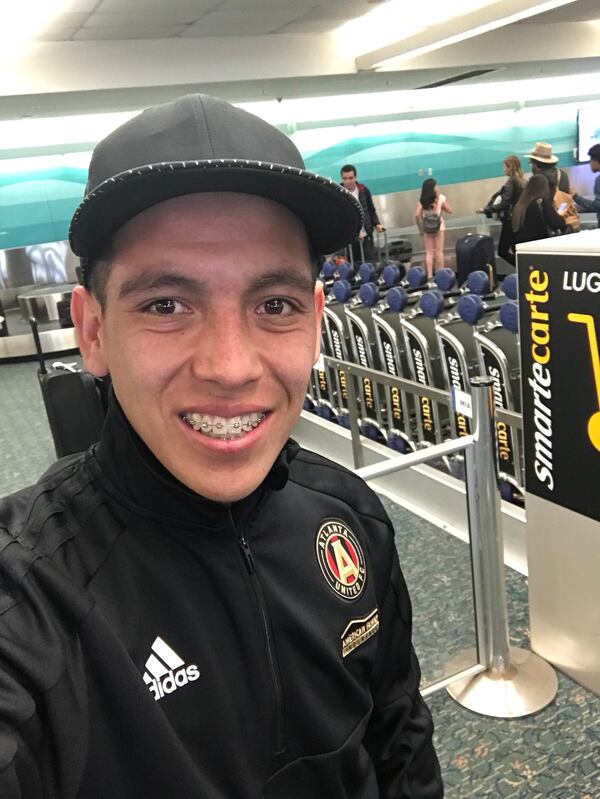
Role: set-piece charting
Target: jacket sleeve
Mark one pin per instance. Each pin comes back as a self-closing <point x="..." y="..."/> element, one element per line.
<point x="19" y="775"/>
<point x="489" y="208"/>
<point x="590" y="205"/>
<point x="399" y="735"/>
<point x="371" y="207"/>
<point x="508" y="194"/>
<point x="19" y="778"/>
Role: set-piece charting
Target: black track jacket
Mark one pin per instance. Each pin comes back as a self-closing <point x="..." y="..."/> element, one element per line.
<point x="155" y="645"/>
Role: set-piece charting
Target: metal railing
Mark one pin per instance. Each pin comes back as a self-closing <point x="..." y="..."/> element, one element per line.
<point x="504" y="681"/>
<point x="440" y="397"/>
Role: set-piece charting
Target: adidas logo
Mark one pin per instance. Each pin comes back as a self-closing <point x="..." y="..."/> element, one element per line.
<point x="166" y="671"/>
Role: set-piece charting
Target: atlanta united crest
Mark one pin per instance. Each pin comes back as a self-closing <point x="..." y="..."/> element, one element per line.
<point x="341" y="559"/>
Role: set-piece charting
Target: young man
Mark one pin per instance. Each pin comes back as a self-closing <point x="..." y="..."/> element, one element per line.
<point x="370" y="219"/>
<point x="582" y="202"/>
<point x="196" y="607"/>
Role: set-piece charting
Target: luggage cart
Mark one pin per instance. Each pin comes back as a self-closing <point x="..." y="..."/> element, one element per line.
<point x="336" y="342"/>
<point x="335" y="338"/>
<point x="425" y="368"/>
<point x="372" y="420"/>
<point x="392" y="356"/>
<point x="323" y="393"/>
<point x="498" y="352"/>
<point x="464" y="356"/>
<point x="423" y="356"/>
<point x="458" y="360"/>
<point x="456" y="346"/>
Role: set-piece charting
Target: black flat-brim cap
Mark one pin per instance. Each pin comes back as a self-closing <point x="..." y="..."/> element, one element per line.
<point x="197" y="144"/>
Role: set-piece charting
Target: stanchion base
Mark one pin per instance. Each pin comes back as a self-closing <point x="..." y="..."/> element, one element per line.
<point x="528" y="685"/>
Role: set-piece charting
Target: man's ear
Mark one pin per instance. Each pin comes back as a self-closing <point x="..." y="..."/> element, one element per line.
<point x="319" y="304"/>
<point x="87" y="317"/>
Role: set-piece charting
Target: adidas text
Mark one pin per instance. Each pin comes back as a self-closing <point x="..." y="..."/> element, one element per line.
<point x="173" y="681"/>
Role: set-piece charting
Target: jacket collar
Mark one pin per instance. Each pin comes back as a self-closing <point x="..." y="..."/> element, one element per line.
<point x="131" y="474"/>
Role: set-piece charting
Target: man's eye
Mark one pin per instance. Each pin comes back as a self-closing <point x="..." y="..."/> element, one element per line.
<point x="276" y="306"/>
<point x="165" y="307"/>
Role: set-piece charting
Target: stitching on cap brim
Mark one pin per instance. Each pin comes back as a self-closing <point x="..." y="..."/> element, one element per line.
<point x="330" y="213"/>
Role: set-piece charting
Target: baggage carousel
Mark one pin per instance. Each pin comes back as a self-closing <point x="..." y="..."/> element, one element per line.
<point x="42" y="303"/>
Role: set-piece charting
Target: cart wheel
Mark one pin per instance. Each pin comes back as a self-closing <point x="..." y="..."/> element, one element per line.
<point x="397" y="442"/>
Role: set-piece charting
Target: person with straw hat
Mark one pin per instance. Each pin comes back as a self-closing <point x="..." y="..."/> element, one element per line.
<point x="544" y="162"/>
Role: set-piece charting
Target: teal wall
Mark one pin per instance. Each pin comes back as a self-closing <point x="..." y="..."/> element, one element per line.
<point x="391" y="162"/>
<point x="36" y="204"/>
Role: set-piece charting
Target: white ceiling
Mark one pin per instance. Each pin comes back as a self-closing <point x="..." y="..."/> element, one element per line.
<point x="135" y="19"/>
<point x="101" y="20"/>
<point x="111" y="55"/>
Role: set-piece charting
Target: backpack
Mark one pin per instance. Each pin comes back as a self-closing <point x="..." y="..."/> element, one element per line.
<point x="431" y="219"/>
<point x="571" y="214"/>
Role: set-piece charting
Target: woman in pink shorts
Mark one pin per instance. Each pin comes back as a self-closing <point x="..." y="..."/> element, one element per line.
<point x="429" y="219"/>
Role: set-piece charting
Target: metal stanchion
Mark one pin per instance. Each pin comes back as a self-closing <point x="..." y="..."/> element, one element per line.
<point x="350" y="252"/>
<point x="357" y="452"/>
<point x="350" y="255"/>
<point x="361" y="248"/>
<point x="515" y="682"/>
<point x="380" y="258"/>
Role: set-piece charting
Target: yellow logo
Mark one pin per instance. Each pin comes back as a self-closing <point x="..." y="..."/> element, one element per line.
<point x="593" y="427"/>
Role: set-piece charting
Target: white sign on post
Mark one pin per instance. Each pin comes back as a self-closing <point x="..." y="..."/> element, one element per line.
<point x="461" y="402"/>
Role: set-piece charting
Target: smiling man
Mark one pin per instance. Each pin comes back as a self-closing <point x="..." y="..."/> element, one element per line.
<point x="209" y="329"/>
<point x="196" y="607"/>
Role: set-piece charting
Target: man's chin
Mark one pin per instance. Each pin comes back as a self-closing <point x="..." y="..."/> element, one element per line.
<point x="224" y="479"/>
<point x="225" y="494"/>
<point x="227" y="497"/>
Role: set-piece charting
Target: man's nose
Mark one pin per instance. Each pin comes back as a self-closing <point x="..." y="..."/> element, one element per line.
<point x="228" y="353"/>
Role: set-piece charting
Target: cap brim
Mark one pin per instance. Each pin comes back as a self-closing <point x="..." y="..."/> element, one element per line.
<point x="331" y="215"/>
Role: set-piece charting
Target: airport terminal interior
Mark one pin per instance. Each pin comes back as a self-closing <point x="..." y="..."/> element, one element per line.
<point x="424" y="352"/>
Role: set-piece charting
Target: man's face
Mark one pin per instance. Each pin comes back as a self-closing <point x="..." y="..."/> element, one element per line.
<point x="349" y="180"/>
<point x="210" y="330"/>
<point x="594" y="165"/>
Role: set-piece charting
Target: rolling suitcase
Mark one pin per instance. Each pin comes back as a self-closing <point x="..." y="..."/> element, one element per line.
<point x="73" y="403"/>
<point x="400" y="250"/>
<point x="475" y="251"/>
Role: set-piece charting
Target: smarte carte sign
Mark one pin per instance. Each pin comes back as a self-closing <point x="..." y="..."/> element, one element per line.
<point x="559" y="311"/>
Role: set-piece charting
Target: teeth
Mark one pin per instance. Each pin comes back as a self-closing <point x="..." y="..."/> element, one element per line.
<point x="221" y="427"/>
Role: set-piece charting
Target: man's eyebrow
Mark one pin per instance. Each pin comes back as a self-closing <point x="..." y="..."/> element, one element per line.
<point x="281" y="277"/>
<point x="153" y="280"/>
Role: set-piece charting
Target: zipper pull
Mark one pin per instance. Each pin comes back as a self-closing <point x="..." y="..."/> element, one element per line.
<point x="245" y="547"/>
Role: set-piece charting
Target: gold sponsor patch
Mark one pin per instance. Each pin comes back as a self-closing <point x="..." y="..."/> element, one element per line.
<point x="358" y="631"/>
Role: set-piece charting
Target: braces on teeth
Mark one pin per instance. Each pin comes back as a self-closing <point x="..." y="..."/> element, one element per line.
<point x="220" y="427"/>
